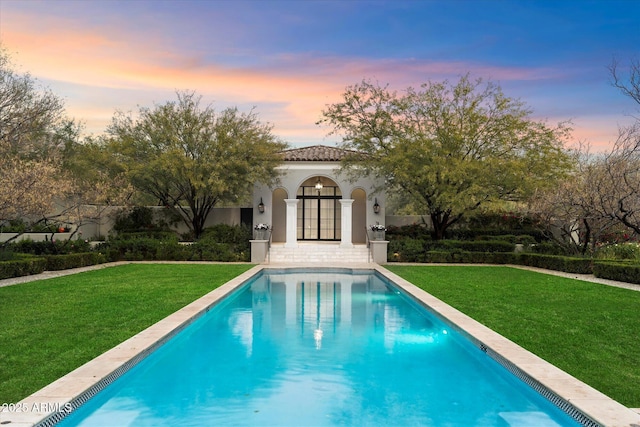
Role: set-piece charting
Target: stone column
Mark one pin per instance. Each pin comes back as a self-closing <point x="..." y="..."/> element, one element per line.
<point x="292" y="219"/>
<point x="345" y="221"/>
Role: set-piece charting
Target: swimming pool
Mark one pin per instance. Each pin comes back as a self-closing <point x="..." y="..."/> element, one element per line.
<point x="323" y="347"/>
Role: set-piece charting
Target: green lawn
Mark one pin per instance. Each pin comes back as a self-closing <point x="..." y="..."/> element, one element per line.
<point x="588" y="330"/>
<point x="50" y="327"/>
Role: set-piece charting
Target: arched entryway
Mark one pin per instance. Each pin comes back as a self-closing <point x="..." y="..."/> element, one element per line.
<point x="319" y="210"/>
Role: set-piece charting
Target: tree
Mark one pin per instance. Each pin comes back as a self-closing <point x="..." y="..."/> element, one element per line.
<point x="191" y="158"/>
<point x="31" y="122"/>
<point x="96" y="182"/>
<point x="571" y="212"/>
<point x="628" y="84"/>
<point x="620" y="198"/>
<point x="619" y="190"/>
<point x="449" y="148"/>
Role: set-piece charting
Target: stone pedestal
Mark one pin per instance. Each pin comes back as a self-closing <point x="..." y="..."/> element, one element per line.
<point x="379" y="251"/>
<point x="259" y="250"/>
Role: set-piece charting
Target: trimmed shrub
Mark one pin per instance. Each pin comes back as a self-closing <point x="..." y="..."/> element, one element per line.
<point x="55" y="247"/>
<point x="22" y="267"/>
<point x="165" y="236"/>
<point x="223" y="233"/>
<point x="506" y="237"/>
<point x="623" y="272"/>
<point x="557" y="263"/>
<point x="64" y="262"/>
<point x="486" y="246"/>
<point x="406" y="250"/>
<point x="214" y="251"/>
<point x="547" y="248"/>
<point x="464" y="257"/>
<point x="132" y="249"/>
<point x="469" y="245"/>
<point x="6" y="255"/>
<point x="439" y="256"/>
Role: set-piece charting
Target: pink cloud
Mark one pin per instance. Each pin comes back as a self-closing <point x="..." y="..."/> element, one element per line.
<point x="97" y="64"/>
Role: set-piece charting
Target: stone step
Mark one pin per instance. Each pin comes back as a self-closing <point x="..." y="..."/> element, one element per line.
<point x="320" y="253"/>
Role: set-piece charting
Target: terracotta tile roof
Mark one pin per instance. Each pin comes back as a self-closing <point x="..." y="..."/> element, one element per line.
<point x="315" y="153"/>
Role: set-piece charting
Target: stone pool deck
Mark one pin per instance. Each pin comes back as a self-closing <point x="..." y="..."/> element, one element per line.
<point x="56" y="395"/>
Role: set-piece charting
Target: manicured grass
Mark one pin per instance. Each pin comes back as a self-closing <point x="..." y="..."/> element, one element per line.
<point x="50" y="327"/>
<point x="588" y="330"/>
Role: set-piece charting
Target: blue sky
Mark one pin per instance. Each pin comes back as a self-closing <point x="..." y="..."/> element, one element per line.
<point x="289" y="59"/>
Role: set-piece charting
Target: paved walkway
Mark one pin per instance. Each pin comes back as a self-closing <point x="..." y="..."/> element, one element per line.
<point x="50" y="274"/>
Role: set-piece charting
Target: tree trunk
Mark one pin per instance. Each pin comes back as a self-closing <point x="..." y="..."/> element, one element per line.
<point x="439" y="222"/>
<point x="587" y="236"/>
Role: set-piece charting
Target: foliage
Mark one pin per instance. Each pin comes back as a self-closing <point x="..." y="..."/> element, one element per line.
<point x="190" y="158"/>
<point x="406" y="250"/>
<point x="418" y="250"/>
<point x="623" y="272"/>
<point x="619" y="251"/>
<point x="548" y="248"/>
<point x="207" y="250"/>
<point x="31" y="123"/>
<point x="97" y="178"/>
<point x="22" y="267"/>
<point x="48" y="329"/>
<point x="463" y="257"/>
<point x="219" y="243"/>
<point x="74" y="260"/>
<point x="140" y="218"/>
<point x="134" y="248"/>
<point x="223" y="233"/>
<point x="414" y="231"/>
<point x="49" y="247"/>
<point x="602" y="194"/>
<point x="557" y="263"/>
<point x="223" y="243"/>
<point x="450" y="148"/>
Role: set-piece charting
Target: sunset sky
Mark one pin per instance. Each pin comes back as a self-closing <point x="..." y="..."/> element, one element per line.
<point x="289" y="59"/>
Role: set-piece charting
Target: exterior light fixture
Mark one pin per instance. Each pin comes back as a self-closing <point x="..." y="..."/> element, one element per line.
<point x="261" y="206"/>
<point x="318" y="185"/>
<point x="376" y="207"/>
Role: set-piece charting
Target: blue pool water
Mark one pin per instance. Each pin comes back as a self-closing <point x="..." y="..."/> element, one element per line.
<point x="318" y="349"/>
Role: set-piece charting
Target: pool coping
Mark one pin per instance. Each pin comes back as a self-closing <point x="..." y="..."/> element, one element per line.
<point x="51" y="403"/>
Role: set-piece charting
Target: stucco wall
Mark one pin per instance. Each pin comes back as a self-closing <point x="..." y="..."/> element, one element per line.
<point x="294" y="174"/>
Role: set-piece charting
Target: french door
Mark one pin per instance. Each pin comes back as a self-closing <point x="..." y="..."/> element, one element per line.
<point x="319" y="213"/>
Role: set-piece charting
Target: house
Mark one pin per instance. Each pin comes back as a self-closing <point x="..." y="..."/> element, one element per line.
<point x="314" y="206"/>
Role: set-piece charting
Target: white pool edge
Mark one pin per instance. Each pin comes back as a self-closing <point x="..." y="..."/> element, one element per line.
<point x="57" y="397"/>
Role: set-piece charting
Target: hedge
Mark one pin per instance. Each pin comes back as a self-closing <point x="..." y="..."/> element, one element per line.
<point x="558" y="263"/>
<point x="64" y="262"/>
<point x="146" y="249"/>
<point x="22" y="267"/>
<point x="620" y="271"/>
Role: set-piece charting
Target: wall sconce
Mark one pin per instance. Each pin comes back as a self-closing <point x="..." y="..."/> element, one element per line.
<point x="261" y="206"/>
<point x="376" y="207"/>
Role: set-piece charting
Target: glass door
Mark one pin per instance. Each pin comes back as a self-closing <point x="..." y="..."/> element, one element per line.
<point x="319" y="212"/>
